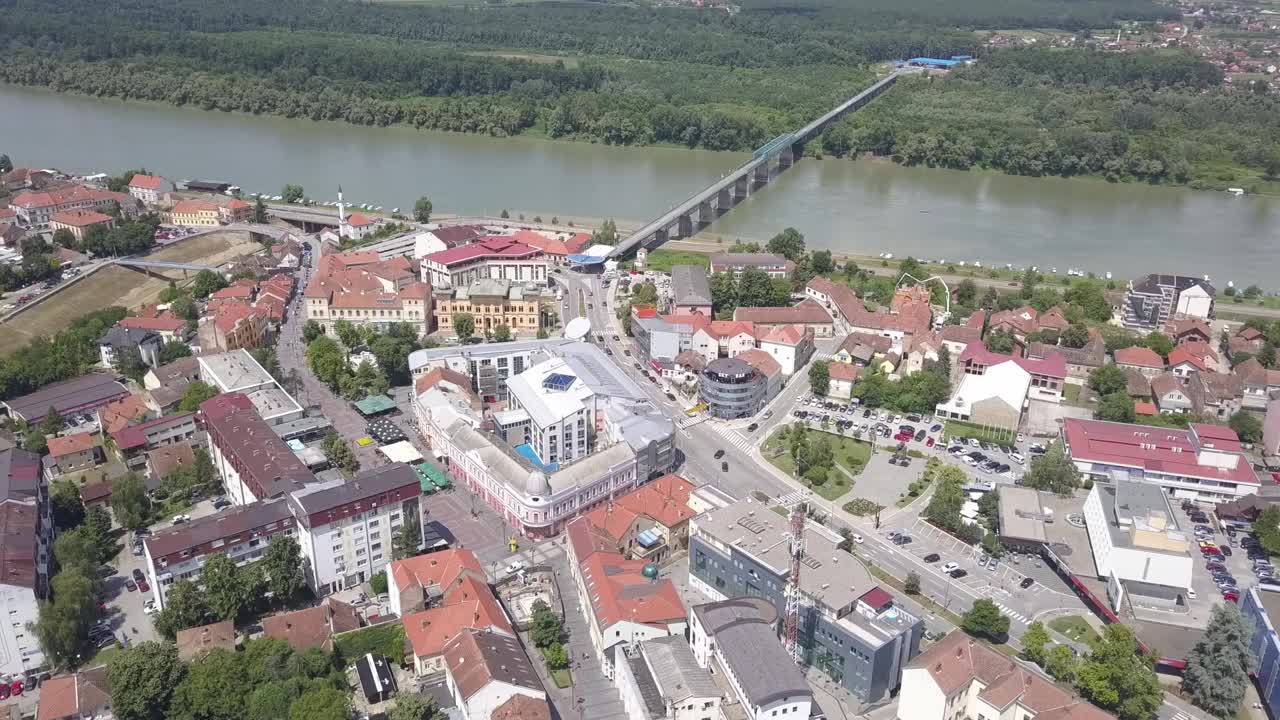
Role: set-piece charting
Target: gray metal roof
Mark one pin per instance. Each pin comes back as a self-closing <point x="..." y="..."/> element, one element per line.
<point x="676" y="671"/>
<point x="421" y="358"/>
<point x="690" y="285"/>
<point x="87" y="391"/>
<point x="765" y="671"/>
<point x="370" y="483"/>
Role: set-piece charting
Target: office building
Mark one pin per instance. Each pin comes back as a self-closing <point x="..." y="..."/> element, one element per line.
<point x="659" y="679"/>
<point x="252" y="460"/>
<point x="490" y="303"/>
<point x="1137" y="539"/>
<point x="487" y="365"/>
<point x="495" y="257"/>
<point x="26" y="556"/>
<point x="237" y="372"/>
<point x="732" y="388"/>
<point x="1151" y="301"/>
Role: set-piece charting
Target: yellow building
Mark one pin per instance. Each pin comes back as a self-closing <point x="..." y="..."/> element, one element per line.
<point x="195" y="213"/>
<point x="491" y="303"/>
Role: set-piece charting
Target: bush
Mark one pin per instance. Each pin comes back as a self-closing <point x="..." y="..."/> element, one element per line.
<point x="385" y="640"/>
<point x="379" y="583"/>
<point x="862" y="506"/>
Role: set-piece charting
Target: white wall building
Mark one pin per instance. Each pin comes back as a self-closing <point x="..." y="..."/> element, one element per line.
<point x="684" y="691"/>
<point x="488" y="671"/>
<point x="1136" y="539"/>
<point x="237" y="371"/>
<point x="25" y="556"/>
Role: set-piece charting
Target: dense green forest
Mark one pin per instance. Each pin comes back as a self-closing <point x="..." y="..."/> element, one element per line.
<point x="1157" y="117"/>
<point x="626" y="74"/>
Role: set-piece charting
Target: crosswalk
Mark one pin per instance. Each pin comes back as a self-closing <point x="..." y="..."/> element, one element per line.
<point x="687" y="422"/>
<point x="822" y="355"/>
<point x="739" y="441"/>
<point x="1013" y="613"/>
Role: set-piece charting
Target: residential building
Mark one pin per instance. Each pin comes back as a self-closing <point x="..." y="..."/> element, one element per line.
<point x="1144" y="360"/>
<point x="627" y="602"/>
<point x="768" y="368"/>
<point x="26" y="179"/>
<point x="1169" y="395"/>
<point x="122" y="413"/>
<point x="1138" y="540"/>
<point x="85" y="695"/>
<point x="650" y="522"/>
<point x="1190" y="358"/>
<point x="365" y="290"/>
<point x="495" y="256"/>
<point x="346" y="528"/>
<point x="442" y="238"/>
<point x="994" y="399"/>
<point x="166" y="384"/>
<point x="1216" y="396"/>
<point x="490" y="303"/>
<point x="489" y="675"/>
<point x="26" y="556"/>
<point x="119" y="342"/>
<point x="238" y="372"/>
<point x="842" y="378"/>
<point x="735" y="639"/>
<point x="955" y="338"/>
<point x="235" y="210"/>
<point x="860" y="348"/>
<point x="1258" y="607"/>
<point x="459" y="603"/>
<point x="632" y="444"/>
<point x="235" y="326"/>
<point x="791" y="346"/>
<point x="1201" y="462"/>
<point x="1153" y="300"/>
<point x="417" y="582"/>
<point x="1271" y="428"/>
<point x="37" y="208"/>
<point x="1246" y="340"/>
<point x="78" y="222"/>
<point x="807" y="313"/>
<point x="487" y="365"/>
<point x="659" y="679"/>
<point x="164" y="461"/>
<point x="1048" y="375"/>
<point x="356" y="226"/>
<point x="1080" y="361"/>
<point x="1188" y="329"/>
<point x="1258" y="383"/>
<point x="851" y="627"/>
<point x="132" y="442"/>
<point x="837" y="298"/>
<point x="775" y="266"/>
<point x="312" y="627"/>
<point x="691" y="290"/>
<point x="959" y="677"/>
<point x="150" y="190"/>
<point x="166" y="325"/>
<point x="197" y="641"/>
<point x="1024" y="321"/>
<point x="8" y="219"/>
<point x="556" y="410"/>
<point x="252" y="460"/>
<point x="241" y="533"/>
<point x="732" y="388"/>
<point x="195" y="213"/>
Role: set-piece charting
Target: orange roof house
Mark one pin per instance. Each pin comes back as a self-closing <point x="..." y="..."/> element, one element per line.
<point x="650" y="521"/>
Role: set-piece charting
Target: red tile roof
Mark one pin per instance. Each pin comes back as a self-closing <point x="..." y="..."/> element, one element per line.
<point x="233" y="292"/>
<point x="492" y="246"/>
<point x="191" y="207"/>
<point x="760" y="360"/>
<point x="522" y="707"/>
<point x="80" y="218"/>
<point x="18" y="545"/>
<point x="807" y="312"/>
<point x="666" y="499"/>
<point x="359" y="220"/>
<point x="791" y="335"/>
<point x="1156" y="449"/>
<point x="236" y="204"/>
<point x="123" y="413"/>
<point x="312" y="627"/>
<point x="1180" y="355"/>
<point x="1138" y="356"/>
<point x="146" y="182"/>
<point x="167" y="323"/>
<point x="612" y="519"/>
<point x="65" y="196"/>
<point x="842" y="371"/>
<point x="1144" y="408"/>
<point x="438" y="568"/>
<point x="267" y="466"/>
<point x="621" y="592"/>
<point x="196" y="641"/>
<point x="842" y="296"/>
<point x="468" y="604"/>
<point x="67" y="444"/>
<point x="1053" y="365"/>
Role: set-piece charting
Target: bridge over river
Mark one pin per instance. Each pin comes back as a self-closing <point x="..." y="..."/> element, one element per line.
<point x="766" y="163"/>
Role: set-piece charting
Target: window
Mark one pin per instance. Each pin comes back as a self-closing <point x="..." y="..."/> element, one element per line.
<point x="359" y="552"/>
<point x="337" y="548"/>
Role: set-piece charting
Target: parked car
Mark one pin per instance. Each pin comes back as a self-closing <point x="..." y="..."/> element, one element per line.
<point x="919" y="435"/>
<point x="932" y="558"/>
<point x="1026" y="583"/>
<point x="950" y="566"/>
<point x="957" y="574"/>
<point x="1231" y="596"/>
<point x="130" y="585"/>
<point x="719" y="454"/>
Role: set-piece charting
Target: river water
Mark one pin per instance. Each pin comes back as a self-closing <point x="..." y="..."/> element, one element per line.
<point x="864" y="207"/>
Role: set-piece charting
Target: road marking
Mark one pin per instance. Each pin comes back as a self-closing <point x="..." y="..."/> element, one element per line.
<point x="735" y="438"/>
<point x="1013" y="613"/>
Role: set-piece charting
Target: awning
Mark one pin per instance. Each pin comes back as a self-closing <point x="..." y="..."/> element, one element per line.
<point x="402" y="451"/>
<point x="431" y="477"/>
<point x="375" y="405"/>
<point x="648" y="539"/>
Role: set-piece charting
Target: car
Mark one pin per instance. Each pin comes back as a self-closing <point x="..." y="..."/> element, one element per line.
<point x="137" y="574"/>
<point x="1225" y="550"/>
<point x="935" y="428"/>
<point x="992" y="564"/>
<point x="719" y="454"/>
<point x="615" y="338"/>
<point x="1037" y="449"/>
<point x="636" y="366"/>
<point x="856" y="538"/>
<point x="16" y="687"/>
<point x="514" y="567"/>
<point x="140" y="532"/>
<point x="902" y="540"/>
<point x="973" y="442"/>
<point x="106" y="642"/>
<point x="968" y="460"/>
<point x="31" y="682"/>
<point x="1022" y="438"/>
<point x="1018" y="458"/>
<point x="1215" y="567"/>
<point x="1191" y="593"/>
<point x="957" y="574"/>
<point x="1026" y="583"/>
<point x="932" y="558"/>
<point x="143" y="586"/>
<point x="626" y="352"/>
<point x="149" y="607"/>
<point x="750" y="428"/>
<point x="767" y="414"/>
<point x="950" y="566"/>
<point x="724" y="467"/>
<point x="919" y="435"/>
<point x="130" y="585"/>
<point x="929" y="442"/>
<point x="1231" y="596"/>
<point x="4" y="692"/>
<point x="136" y="550"/>
<point x="179" y="519"/>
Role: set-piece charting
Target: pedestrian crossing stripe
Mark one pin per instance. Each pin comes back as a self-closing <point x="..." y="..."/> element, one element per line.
<point x="1013" y="614"/>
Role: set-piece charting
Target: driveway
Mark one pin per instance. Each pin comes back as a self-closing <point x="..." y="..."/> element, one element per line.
<point x="1045" y="418"/>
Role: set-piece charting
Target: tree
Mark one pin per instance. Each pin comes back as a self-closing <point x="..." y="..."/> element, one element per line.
<point x="62" y="237"/>
<point x="966" y="293"/>
<point x="291" y="193"/>
<point x="213" y="688"/>
<point x="195" y="394"/>
<point x="6" y="165"/>
<point x="504" y="214"/>
<point x="185" y="607"/>
<point x="1267" y="529"/>
<point x="328" y="361"/>
<point x="1116" y="407"/>
<point x="408" y="539"/>
<point x="1247" y="426"/>
<point x="339" y="453"/>
<point x="1159" y="343"/>
<point x="991" y="543"/>
<point x="414" y="706"/>
<point x="789" y="243"/>
<point x="229" y="589"/>
<point x="78" y="551"/>
<point x="206" y="283"/>
<point x="502" y="333"/>
<point x="174" y="350"/>
<point x="284" y="569"/>
<point x="820" y="262"/>
<point x="184" y="307"/>
<point x="1035" y="642"/>
<point x="1218" y="666"/>
<point x="347" y="333"/>
<point x="556" y="655"/>
<point x="1061" y="663"/>
<point x="129" y="501"/>
<point x="260" y="211"/>
<point x="143" y="679"/>
<point x="1075" y="336"/>
<point x="984" y="619"/>
<point x="606" y="235"/>
<point x="321" y="704"/>
<point x="912" y="584"/>
<point x="464" y="325"/>
<point x="999" y="341"/>
<point x="948" y="498"/>
<point x="63" y="623"/>
<point x="422" y="209"/>
<point x="65" y="504"/>
<point x="311" y="330"/>
<point x="1108" y="379"/>
<point x="547" y="627"/>
<point x="1118" y="678"/>
<point x="820" y="378"/>
<point x="1053" y="471"/>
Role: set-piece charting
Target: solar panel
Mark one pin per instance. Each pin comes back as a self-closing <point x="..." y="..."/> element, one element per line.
<point x="558" y="381"/>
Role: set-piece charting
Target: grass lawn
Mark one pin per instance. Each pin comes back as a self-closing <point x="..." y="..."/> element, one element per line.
<point x="1072" y="394"/>
<point x="850" y="454"/>
<point x="1074" y="627"/>
<point x="561" y="678"/>
<point x="959" y="428"/>
<point x="662" y="260"/>
<point x="103" y="656"/>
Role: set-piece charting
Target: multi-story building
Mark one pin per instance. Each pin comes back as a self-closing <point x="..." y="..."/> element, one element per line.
<point x="775" y="266"/>
<point x="1048" y="375"/>
<point x="1153" y="300"/>
<point x="1257" y="606"/>
<point x="85" y="695"/>
<point x="732" y="388"/>
<point x="691" y="291"/>
<point x="78" y="222"/>
<point x="850" y="627"/>
<point x="659" y="679"/>
<point x="36" y="209"/>
<point x="1136" y="539"/>
<point x="117" y="342"/>
<point x="240" y="533"/>
<point x="648" y="523"/>
<point x="134" y="441"/>
<point x="791" y="346"/>
<point x="490" y="677"/>
<point x="252" y="460"/>
<point x="495" y="256"/>
<point x="346" y="527"/>
<point x="235" y="210"/>
<point x="1201" y="462"/>
<point x="195" y="213"/>
<point x="235" y="326"/>
<point x="150" y="190"/>
<point x="26" y="534"/>
<point x="632" y="444"/>
<point x="237" y="372"/>
<point x="487" y="365"/>
<point x="365" y="290"/>
<point x="807" y="314"/>
<point x="490" y="303"/>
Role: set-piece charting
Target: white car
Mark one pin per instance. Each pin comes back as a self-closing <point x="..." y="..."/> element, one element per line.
<point x="974" y="442"/>
<point x="1191" y="593"/>
<point x="857" y="538"/>
<point x="950" y="566"/>
<point x="149" y="607"/>
<point x="515" y="567"/>
<point x="1017" y="457"/>
<point x="1022" y="438"/>
<point x="970" y="461"/>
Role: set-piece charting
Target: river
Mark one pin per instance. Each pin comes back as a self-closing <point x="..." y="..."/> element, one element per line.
<point x="863" y="207"/>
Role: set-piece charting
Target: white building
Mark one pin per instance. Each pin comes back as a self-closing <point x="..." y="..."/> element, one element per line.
<point x="151" y="190"/>
<point x="489" y="673"/>
<point x="488" y="365"/>
<point x="237" y="371"/>
<point x="993" y="399"/>
<point x="26" y="528"/>
<point x="790" y="345"/>
<point x="1137" y="539"/>
<point x="659" y="679"/>
<point x="555" y="410"/>
<point x="495" y="256"/>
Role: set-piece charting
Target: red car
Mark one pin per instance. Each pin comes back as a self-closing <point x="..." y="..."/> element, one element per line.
<point x="1231" y="596"/>
<point x="1211" y="551"/>
<point x="4" y="691"/>
<point x="143" y="586"/>
<point x="16" y="688"/>
<point x="929" y="442"/>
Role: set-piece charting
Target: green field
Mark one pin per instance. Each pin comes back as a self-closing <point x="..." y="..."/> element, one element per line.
<point x="960" y="429"/>
<point x="850" y="455"/>
<point x="662" y="260"/>
<point x="1074" y="627"/>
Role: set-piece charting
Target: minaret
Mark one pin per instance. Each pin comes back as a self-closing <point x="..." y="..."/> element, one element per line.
<point x="342" y="217"/>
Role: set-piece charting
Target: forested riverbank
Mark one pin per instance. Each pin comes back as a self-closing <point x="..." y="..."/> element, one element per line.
<point x="632" y="75"/>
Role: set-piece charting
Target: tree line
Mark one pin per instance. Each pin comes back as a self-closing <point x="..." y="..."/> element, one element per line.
<point x="69" y="353"/>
